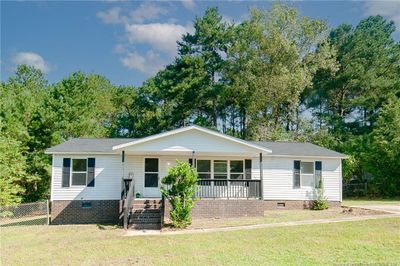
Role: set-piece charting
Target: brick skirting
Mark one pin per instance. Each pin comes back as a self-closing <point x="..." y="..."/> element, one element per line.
<point x="107" y="211"/>
<point x="222" y="208"/>
<point x="79" y="212"/>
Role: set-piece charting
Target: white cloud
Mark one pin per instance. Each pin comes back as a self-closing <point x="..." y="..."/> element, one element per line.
<point x="388" y="9"/>
<point x="31" y="59"/>
<point x="147" y="12"/>
<point x="189" y="4"/>
<point x="149" y="63"/>
<point x="140" y="28"/>
<point x="161" y="36"/>
<point x="112" y="16"/>
<point x="120" y="48"/>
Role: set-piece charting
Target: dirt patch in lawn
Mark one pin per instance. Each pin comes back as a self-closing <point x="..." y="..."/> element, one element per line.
<point x="277" y="216"/>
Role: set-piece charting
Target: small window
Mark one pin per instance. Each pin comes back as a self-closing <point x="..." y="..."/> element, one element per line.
<point x="237" y="169"/>
<point x="307" y="174"/>
<point x="204" y="168"/>
<point x="151" y="172"/>
<point x="220" y="169"/>
<point x="79" y="172"/>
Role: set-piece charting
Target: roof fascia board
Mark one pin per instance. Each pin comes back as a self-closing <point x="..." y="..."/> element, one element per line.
<point x="308" y="156"/>
<point x="80" y="152"/>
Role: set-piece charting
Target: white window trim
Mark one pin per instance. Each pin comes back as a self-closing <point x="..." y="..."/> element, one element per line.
<point x="71" y="172"/>
<point x="313" y="174"/>
<point x="228" y="172"/>
<point x="242" y="173"/>
<point x="211" y="164"/>
<point x="222" y="173"/>
<point x="158" y="173"/>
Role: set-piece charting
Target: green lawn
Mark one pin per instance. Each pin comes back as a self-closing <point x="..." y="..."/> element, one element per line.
<point x="365" y="201"/>
<point x="365" y="242"/>
<point x="276" y="216"/>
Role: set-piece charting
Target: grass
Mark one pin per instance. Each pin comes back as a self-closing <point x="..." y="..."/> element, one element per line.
<point x="364" y="242"/>
<point x="366" y="201"/>
<point x="277" y="216"/>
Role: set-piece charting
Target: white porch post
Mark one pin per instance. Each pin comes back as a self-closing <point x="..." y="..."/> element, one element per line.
<point x="261" y="176"/>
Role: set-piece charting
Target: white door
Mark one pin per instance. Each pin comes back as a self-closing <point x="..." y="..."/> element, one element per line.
<point x="151" y="178"/>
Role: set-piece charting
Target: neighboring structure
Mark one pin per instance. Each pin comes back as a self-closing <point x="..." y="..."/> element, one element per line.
<point x="87" y="175"/>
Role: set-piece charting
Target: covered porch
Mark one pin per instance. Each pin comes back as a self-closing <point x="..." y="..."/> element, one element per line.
<point x="227" y="166"/>
<point x="221" y="176"/>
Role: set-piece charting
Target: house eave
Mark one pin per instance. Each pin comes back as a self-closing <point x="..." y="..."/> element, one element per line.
<point x="81" y="152"/>
<point x="307" y="156"/>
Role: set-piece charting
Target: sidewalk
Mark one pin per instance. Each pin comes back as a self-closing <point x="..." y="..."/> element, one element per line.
<point x="258" y="226"/>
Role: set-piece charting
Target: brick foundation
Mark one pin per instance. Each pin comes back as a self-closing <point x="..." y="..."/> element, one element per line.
<point x="73" y="212"/>
<point x="222" y="208"/>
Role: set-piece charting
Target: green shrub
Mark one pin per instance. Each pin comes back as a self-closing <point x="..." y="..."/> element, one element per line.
<point x="181" y="186"/>
<point x="321" y="203"/>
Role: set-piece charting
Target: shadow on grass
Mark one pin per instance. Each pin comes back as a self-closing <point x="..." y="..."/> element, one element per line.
<point x="33" y="221"/>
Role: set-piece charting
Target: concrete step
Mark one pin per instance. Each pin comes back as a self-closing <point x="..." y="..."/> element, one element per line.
<point x="146" y="207"/>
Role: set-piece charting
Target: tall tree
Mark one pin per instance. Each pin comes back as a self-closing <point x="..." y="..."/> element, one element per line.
<point x="277" y="56"/>
<point x="208" y="44"/>
<point x="382" y="155"/>
<point x="368" y="75"/>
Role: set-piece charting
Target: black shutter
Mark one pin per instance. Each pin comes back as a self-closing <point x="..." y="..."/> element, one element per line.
<point x="66" y="171"/>
<point x="247" y="167"/>
<point x="318" y="174"/>
<point x="91" y="168"/>
<point x="296" y="174"/>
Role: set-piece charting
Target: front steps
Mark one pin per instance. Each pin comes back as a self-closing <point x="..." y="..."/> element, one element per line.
<point x="146" y="214"/>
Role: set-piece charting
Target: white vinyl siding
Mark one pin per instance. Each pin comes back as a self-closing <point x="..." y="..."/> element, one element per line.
<point x="277" y="183"/>
<point x="278" y="179"/>
<point x="108" y="174"/>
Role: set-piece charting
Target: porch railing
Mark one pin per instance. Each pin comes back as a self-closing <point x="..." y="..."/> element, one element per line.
<point x="228" y="188"/>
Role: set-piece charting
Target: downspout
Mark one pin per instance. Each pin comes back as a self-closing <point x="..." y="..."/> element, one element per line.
<point x="261" y="176"/>
<point x="123" y="164"/>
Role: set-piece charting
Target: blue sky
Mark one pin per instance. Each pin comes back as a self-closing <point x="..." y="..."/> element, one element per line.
<point x="129" y="41"/>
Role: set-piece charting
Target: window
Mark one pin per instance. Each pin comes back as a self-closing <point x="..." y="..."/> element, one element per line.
<point x="151" y="172"/>
<point x="307" y="174"/>
<point x="220" y="169"/>
<point x="86" y="205"/>
<point x="236" y="169"/>
<point x="79" y="172"/>
<point x="204" y="168"/>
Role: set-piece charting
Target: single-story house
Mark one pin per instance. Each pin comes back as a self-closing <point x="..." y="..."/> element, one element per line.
<point x="91" y="176"/>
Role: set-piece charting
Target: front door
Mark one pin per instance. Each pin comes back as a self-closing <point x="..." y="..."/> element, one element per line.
<point x="151" y="178"/>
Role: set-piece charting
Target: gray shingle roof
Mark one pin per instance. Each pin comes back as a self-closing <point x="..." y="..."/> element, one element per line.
<point x="88" y="145"/>
<point x="298" y="149"/>
<point x="81" y="145"/>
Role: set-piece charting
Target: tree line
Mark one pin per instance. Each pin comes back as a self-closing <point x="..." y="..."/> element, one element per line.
<point x="277" y="75"/>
